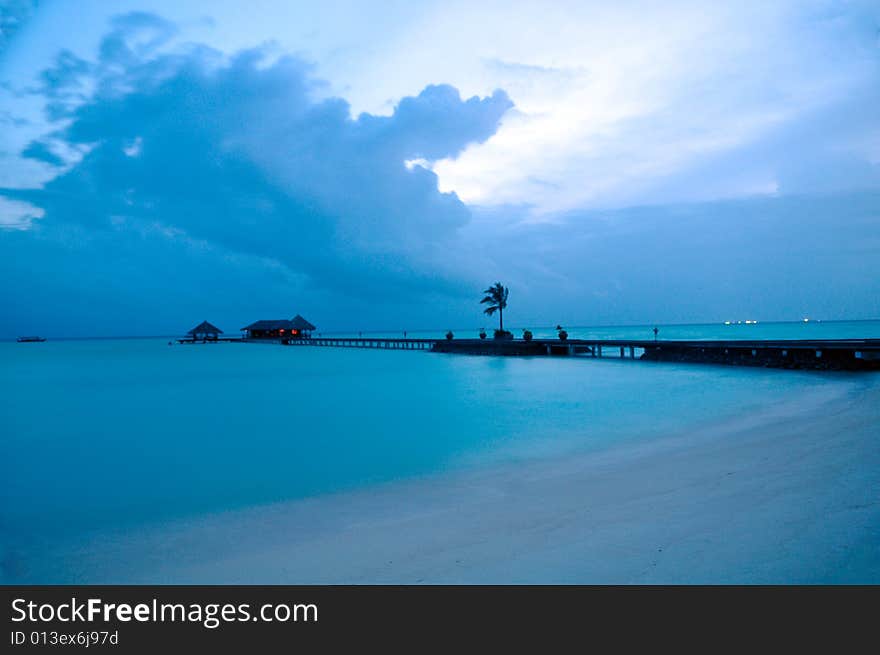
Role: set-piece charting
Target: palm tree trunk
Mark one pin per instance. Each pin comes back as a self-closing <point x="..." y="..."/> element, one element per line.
<point x="501" y="318"/>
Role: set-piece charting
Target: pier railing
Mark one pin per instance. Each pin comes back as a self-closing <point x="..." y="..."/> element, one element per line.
<point x="365" y="342"/>
<point x="825" y="354"/>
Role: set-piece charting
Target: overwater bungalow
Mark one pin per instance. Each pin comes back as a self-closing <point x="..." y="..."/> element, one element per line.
<point x="302" y="327"/>
<point x="204" y="331"/>
<point x="295" y="328"/>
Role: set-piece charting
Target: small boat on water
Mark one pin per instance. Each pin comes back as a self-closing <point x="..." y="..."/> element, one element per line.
<point x="30" y="339"/>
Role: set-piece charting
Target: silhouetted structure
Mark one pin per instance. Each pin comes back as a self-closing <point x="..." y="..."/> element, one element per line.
<point x="295" y="328"/>
<point x="302" y="327"/>
<point x="826" y="354"/>
<point x="823" y="354"/>
<point x="204" y="331"/>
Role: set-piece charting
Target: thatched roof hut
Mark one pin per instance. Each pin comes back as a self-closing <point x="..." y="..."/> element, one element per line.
<point x="205" y="330"/>
<point x="301" y="324"/>
<point x="296" y="328"/>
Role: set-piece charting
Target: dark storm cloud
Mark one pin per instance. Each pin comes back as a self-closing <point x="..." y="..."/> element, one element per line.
<point x="238" y="153"/>
<point x="761" y="258"/>
<point x="41" y="151"/>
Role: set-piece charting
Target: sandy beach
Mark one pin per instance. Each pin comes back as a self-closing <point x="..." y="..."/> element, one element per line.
<point x="788" y="495"/>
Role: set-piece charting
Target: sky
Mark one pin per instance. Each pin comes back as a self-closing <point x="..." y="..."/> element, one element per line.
<point x="375" y="166"/>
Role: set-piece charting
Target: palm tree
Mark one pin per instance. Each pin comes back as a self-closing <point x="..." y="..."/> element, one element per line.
<point x="496" y="297"/>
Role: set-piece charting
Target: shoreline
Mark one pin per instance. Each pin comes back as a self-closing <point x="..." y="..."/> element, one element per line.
<point x="790" y="494"/>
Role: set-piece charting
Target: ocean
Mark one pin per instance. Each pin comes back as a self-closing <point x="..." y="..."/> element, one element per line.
<point x="109" y="433"/>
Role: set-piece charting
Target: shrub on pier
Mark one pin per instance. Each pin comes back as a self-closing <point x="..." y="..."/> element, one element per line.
<point x="450" y="336"/>
<point x="563" y="335"/>
<point x="503" y="335"/>
<point x="527" y="335"/>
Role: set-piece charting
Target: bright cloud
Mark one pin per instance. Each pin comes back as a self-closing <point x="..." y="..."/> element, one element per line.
<point x="16" y="215"/>
<point x="615" y="103"/>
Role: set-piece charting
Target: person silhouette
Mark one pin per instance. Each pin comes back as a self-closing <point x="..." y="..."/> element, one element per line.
<point x="655" y="333"/>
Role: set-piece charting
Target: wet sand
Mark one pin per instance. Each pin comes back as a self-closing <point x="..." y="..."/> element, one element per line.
<point x="788" y="495"/>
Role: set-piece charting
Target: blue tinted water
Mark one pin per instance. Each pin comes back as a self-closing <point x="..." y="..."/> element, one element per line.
<point x="99" y="433"/>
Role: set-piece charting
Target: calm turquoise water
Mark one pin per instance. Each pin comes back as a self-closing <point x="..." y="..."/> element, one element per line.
<point x="99" y="433"/>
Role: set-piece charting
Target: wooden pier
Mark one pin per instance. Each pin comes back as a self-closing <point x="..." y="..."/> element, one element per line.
<point x="827" y="354"/>
<point x="365" y="342"/>
<point x="834" y="354"/>
<point x="217" y="340"/>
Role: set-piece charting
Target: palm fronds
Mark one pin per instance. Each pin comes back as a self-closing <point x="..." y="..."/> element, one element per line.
<point x="496" y="298"/>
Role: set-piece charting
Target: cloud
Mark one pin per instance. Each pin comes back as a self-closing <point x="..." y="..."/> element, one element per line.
<point x="236" y="152"/>
<point x="13" y="14"/>
<point x="41" y="151"/>
<point x="68" y="280"/>
<point x="16" y="215"/>
<point x="198" y="185"/>
<point x="764" y="258"/>
<point x="619" y="104"/>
